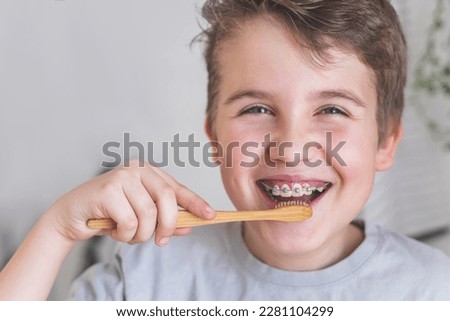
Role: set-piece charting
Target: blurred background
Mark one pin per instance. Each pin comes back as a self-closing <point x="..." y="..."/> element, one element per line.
<point x="76" y="74"/>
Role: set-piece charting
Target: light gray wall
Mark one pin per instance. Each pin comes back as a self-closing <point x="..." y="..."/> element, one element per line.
<point x="76" y="74"/>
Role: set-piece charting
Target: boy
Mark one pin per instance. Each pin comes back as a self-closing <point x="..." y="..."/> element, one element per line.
<point x="308" y="73"/>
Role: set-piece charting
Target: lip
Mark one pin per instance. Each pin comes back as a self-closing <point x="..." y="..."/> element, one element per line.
<point x="294" y="179"/>
<point x="284" y="178"/>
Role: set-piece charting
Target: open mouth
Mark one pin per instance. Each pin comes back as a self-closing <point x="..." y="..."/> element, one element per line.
<point x="283" y="193"/>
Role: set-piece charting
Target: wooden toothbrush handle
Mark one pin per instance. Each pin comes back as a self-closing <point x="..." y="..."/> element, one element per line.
<point x="187" y="219"/>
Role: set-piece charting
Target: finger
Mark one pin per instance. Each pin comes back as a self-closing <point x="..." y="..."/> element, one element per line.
<point x="163" y="195"/>
<point x="167" y="215"/>
<point x="188" y="199"/>
<point x="144" y="208"/>
<point x="119" y="209"/>
<point x="194" y="203"/>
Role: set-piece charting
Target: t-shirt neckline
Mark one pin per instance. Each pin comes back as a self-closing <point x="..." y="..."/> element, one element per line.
<point x="258" y="269"/>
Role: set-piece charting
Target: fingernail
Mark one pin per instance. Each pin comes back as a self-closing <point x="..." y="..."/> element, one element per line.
<point x="210" y="212"/>
<point x="164" y="241"/>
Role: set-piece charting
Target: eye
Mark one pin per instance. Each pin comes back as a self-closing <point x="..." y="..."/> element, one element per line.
<point x="257" y="109"/>
<point x="332" y="110"/>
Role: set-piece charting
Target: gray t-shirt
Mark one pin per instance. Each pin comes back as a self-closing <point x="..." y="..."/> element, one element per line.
<point x="213" y="263"/>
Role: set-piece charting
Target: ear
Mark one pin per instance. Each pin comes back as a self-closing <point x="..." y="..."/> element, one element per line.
<point x="209" y="131"/>
<point x="386" y="150"/>
<point x="213" y="139"/>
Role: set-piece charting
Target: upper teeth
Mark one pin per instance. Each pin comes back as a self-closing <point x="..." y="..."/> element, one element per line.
<point x="297" y="189"/>
<point x="276" y="191"/>
<point x="308" y="189"/>
<point x="286" y="191"/>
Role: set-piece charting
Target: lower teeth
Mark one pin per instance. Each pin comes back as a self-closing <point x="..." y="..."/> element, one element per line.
<point x="291" y="203"/>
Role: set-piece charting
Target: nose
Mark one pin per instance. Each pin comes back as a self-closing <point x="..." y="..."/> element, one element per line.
<point x="294" y="143"/>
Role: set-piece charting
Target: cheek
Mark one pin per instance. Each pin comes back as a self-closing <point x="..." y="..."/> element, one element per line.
<point x="237" y="181"/>
<point x="241" y="148"/>
<point x="242" y="152"/>
<point x="358" y="155"/>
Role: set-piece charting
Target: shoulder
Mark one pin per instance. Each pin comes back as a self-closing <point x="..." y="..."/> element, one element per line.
<point x="101" y="281"/>
<point x="413" y="262"/>
<point x="146" y="271"/>
<point x="152" y="272"/>
<point x="199" y="241"/>
<point x="411" y="250"/>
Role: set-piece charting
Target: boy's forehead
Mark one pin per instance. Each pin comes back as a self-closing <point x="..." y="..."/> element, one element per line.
<point x="263" y="54"/>
<point x="256" y="34"/>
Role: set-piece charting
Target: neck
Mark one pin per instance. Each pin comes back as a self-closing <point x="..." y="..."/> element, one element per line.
<point x="331" y="252"/>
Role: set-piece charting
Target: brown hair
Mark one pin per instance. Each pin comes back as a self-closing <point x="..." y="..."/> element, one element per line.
<point x="368" y="28"/>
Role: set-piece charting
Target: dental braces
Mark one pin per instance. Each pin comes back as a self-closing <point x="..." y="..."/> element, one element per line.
<point x="297" y="189"/>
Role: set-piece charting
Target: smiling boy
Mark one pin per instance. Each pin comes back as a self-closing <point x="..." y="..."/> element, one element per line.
<point x="303" y="72"/>
<point x="285" y="93"/>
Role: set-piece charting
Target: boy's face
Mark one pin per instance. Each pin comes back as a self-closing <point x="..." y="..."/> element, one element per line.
<point x="269" y="85"/>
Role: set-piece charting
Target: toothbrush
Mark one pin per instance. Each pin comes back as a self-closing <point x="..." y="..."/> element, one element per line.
<point x="295" y="213"/>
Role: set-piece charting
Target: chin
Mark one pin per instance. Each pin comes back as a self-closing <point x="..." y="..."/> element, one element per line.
<point x="285" y="238"/>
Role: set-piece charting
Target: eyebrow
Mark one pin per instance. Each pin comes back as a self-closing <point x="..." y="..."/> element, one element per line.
<point x="339" y="93"/>
<point x="325" y="94"/>
<point x="248" y="93"/>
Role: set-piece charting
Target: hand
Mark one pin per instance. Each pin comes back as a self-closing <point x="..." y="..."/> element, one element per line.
<point x="142" y="200"/>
